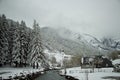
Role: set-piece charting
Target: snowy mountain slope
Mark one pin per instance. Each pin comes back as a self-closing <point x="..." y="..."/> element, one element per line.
<point x="101" y="44"/>
<point x="111" y="44"/>
<point x="75" y="43"/>
<point x="54" y="39"/>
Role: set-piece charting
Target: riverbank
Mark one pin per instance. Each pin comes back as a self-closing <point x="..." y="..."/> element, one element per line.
<point x="20" y="73"/>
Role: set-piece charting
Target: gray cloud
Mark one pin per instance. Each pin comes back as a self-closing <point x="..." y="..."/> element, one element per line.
<point x="96" y="17"/>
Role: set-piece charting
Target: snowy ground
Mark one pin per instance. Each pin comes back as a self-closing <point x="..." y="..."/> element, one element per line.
<point x="98" y="74"/>
<point x="6" y="72"/>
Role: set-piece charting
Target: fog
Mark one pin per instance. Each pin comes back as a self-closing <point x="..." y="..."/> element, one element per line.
<point x="100" y="18"/>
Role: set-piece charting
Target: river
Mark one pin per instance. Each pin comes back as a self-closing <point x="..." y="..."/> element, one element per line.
<point x="51" y="75"/>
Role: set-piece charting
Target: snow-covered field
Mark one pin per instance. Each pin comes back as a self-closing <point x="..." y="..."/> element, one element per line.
<point x="6" y="72"/>
<point x="88" y="74"/>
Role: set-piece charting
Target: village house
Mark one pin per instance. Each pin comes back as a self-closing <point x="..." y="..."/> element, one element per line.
<point x="98" y="61"/>
<point x="116" y="64"/>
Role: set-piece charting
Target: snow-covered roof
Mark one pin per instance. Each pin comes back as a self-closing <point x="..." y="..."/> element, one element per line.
<point x="117" y="61"/>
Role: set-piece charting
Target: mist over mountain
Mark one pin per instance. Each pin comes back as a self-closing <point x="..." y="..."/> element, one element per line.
<point x="75" y="43"/>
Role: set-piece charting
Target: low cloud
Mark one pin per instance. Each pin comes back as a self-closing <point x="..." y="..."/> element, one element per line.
<point x="96" y="17"/>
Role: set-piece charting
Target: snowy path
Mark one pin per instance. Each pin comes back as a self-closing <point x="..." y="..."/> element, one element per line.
<point x="87" y="74"/>
<point x="6" y="72"/>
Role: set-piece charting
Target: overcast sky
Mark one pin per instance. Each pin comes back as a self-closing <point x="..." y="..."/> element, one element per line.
<point x="99" y="18"/>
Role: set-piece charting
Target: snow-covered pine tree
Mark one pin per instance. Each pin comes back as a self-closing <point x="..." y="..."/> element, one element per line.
<point x="16" y="46"/>
<point x="27" y="45"/>
<point x="11" y="29"/>
<point x="23" y="44"/>
<point x="37" y="55"/>
<point x="3" y="40"/>
<point x="20" y="45"/>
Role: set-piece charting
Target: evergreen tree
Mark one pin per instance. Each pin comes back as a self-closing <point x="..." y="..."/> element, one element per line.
<point x="20" y="50"/>
<point x="3" y="39"/>
<point x="20" y="44"/>
<point x="16" y="46"/>
<point x="23" y="43"/>
<point x="11" y="29"/>
<point x="37" y="55"/>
